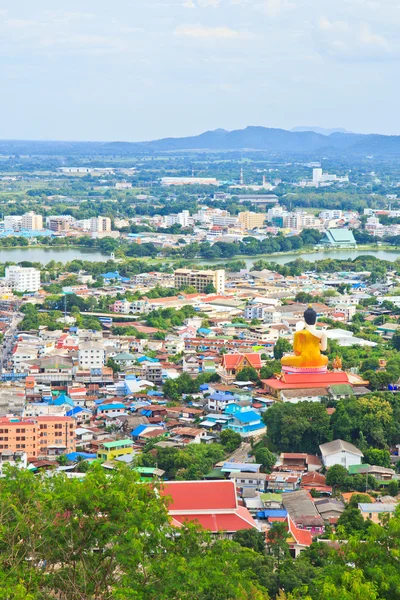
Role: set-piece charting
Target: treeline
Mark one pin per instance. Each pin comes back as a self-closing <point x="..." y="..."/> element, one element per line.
<point x="107" y="536"/>
<point x="369" y="422"/>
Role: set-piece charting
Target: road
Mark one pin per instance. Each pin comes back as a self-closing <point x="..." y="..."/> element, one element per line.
<point x="8" y="341"/>
<point x="240" y="455"/>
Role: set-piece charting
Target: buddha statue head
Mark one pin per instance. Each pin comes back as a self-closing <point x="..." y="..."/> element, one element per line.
<point x="310" y="316"/>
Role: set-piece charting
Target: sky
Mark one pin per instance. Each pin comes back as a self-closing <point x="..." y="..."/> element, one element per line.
<point x="144" y="69"/>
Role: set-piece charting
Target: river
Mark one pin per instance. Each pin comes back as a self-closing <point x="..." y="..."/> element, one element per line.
<point x="281" y="259"/>
<point x="45" y="255"/>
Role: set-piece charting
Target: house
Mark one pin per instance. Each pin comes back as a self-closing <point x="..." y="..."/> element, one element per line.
<point x="189" y="435"/>
<point x="283" y="482"/>
<point x="83" y="436"/>
<point x="249" y="481"/>
<point x="315" y="481"/>
<point x="376" y="511"/>
<point x="329" y="509"/>
<point x="212" y="504"/>
<point x="271" y="500"/>
<point x="339" y="452"/>
<point x="232" y="364"/>
<point x="382" y="474"/>
<point x="219" y="400"/>
<point x="302" y="511"/>
<point x="298" y="539"/>
<point x="298" y="461"/>
<point x="247" y="476"/>
<point x="114" y="409"/>
<point x="304" y="395"/>
<point x="245" y="421"/>
<point x="115" y="449"/>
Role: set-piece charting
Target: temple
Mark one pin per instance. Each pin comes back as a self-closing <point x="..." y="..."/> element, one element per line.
<point x="307" y="345"/>
<point x="306" y="369"/>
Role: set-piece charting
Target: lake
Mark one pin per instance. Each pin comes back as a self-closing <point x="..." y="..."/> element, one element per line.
<point x="45" y="255"/>
<point x="281" y="259"/>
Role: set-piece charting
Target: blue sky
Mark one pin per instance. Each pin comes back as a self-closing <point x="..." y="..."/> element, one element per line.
<point x="144" y="69"/>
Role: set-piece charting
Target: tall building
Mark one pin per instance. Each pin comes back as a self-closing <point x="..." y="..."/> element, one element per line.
<point x="251" y="220"/>
<point x="200" y="279"/>
<point x="22" y="279"/>
<point x="100" y="224"/>
<point x="317" y="175"/>
<point x="13" y="222"/>
<point x="92" y="355"/>
<point x="32" y="221"/>
<point x="38" y="436"/>
<point x="58" y="224"/>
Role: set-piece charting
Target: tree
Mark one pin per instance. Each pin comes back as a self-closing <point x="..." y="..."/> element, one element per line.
<point x="395" y="341"/>
<point x="113" y="365"/>
<point x="247" y="374"/>
<point x="266" y="458"/>
<point x="251" y="538"/>
<point x="393" y="487"/>
<point x="281" y="347"/>
<point x="351" y="520"/>
<point x="106" y="537"/>
<point x="336" y="476"/>
<point x="380" y="458"/>
<point x="209" y="289"/>
<point x="230" y="440"/>
<point x="298" y="427"/>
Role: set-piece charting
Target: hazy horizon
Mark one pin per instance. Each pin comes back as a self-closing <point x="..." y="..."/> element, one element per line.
<point x="140" y="70"/>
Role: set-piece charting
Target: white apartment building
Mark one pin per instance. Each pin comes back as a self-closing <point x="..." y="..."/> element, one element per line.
<point x="92" y="355"/>
<point x="100" y="224"/>
<point x="32" y="221"/>
<point x="331" y="215"/>
<point x="301" y="220"/>
<point x="182" y="218"/>
<point x="224" y="221"/>
<point x="22" y="279"/>
<point x="267" y="314"/>
<point x="13" y="222"/>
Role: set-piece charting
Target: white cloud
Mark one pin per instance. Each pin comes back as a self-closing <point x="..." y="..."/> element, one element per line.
<point x="203" y="32"/>
<point x="371" y="39"/>
<point x="352" y="40"/>
<point x="188" y="4"/>
<point x="208" y="3"/>
<point x="22" y="23"/>
<point x="273" y="8"/>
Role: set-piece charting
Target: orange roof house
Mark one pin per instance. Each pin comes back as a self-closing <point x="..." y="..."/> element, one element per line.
<point x="232" y="364"/>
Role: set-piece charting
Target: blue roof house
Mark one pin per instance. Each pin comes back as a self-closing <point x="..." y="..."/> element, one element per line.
<point x="245" y="421"/>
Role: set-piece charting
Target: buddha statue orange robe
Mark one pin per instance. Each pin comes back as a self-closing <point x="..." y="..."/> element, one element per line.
<point x="307" y="350"/>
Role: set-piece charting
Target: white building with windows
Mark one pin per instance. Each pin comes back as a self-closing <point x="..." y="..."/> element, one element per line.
<point x="22" y="279"/>
<point x="92" y="355"/>
<point x="339" y="452"/>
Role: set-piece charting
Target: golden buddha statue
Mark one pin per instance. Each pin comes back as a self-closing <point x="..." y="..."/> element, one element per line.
<point x="337" y="364"/>
<point x="308" y="344"/>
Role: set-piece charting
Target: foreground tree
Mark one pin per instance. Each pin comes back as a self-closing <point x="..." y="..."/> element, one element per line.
<point x="107" y="538"/>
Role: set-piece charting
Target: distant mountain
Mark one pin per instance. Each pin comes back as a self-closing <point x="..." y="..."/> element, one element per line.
<point x="321" y="130"/>
<point x="276" y="141"/>
<point x="273" y="141"/>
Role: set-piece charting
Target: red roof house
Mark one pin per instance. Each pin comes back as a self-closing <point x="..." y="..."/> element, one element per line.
<point x="296" y="381"/>
<point x="212" y="504"/>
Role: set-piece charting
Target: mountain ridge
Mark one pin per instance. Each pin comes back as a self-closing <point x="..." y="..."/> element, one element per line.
<point x="251" y="138"/>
